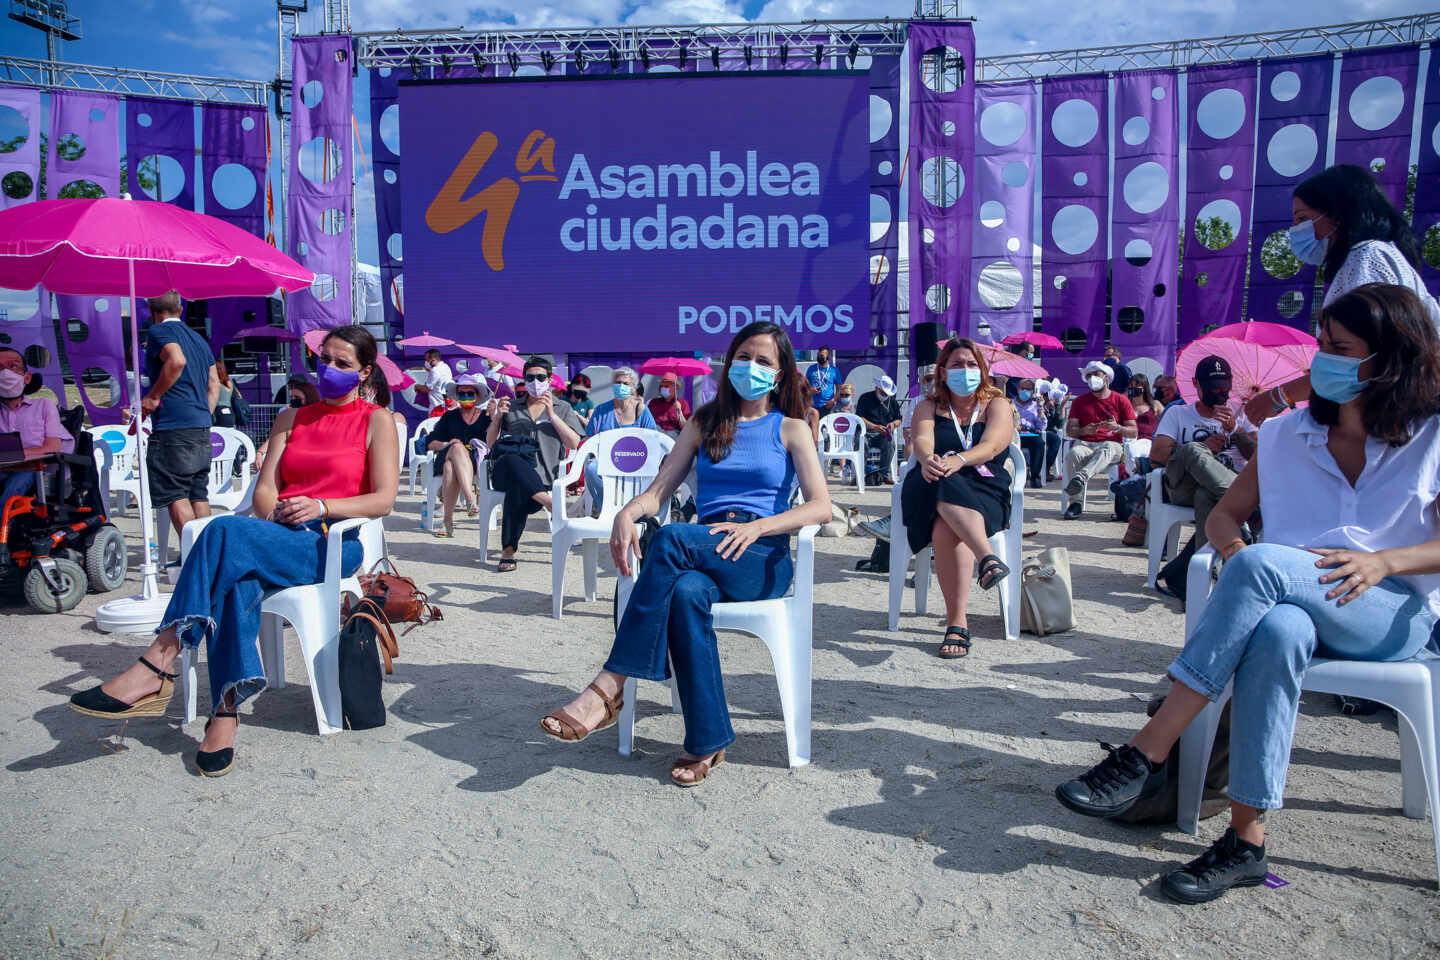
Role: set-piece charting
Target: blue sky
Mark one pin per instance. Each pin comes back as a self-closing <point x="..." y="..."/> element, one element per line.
<point x="237" y="38"/>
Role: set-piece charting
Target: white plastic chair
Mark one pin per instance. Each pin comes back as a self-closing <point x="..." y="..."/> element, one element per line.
<point x="489" y="502"/>
<point x="842" y="437"/>
<point x="627" y="460"/>
<point x="124" y="466"/>
<point x="1162" y="535"/>
<point x="226" y="491"/>
<point x="419" y="462"/>
<point x="785" y="625"/>
<point x="313" y="610"/>
<point x="1411" y="687"/>
<point x="1007" y="545"/>
<point x="402" y="431"/>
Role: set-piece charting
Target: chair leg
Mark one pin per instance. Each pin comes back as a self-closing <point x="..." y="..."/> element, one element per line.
<point x="859" y="473"/>
<point x="1154" y="544"/>
<point x="626" y="724"/>
<point x="1010" y="587"/>
<point x="559" y="554"/>
<point x="899" y="560"/>
<point x="922" y="581"/>
<point x="322" y="662"/>
<point x="272" y="649"/>
<point x="188" y="656"/>
<point x="590" y="552"/>
<point x="1195" y="745"/>
<point x="790" y="652"/>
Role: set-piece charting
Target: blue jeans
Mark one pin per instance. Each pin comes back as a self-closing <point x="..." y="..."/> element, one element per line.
<point x="16" y="483"/>
<point x="669" y="611"/>
<point x="593" y="485"/>
<point x="1266" y="619"/>
<point x="217" y="598"/>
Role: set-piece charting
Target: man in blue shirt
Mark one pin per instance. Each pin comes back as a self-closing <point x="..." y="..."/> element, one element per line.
<point x="1120" y="383"/>
<point x="184" y="389"/>
<point x="824" y="376"/>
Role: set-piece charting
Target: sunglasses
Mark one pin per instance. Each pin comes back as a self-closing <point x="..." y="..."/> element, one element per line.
<point x="537" y="377"/>
<point x="467" y="396"/>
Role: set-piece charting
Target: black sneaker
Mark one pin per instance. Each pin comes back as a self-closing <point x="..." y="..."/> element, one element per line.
<point x="1230" y="862"/>
<point x="1073" y="511"/>
<point x="1113" y="785"/>
<point x="1075" y="486"/>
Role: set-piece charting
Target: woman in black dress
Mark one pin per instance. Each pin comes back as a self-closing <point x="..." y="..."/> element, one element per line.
<point x="960" y="495"/>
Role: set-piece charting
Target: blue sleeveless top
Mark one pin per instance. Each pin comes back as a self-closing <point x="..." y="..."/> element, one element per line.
<point x="757" y="476"/>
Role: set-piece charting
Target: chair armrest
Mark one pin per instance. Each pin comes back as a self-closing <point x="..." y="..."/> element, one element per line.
<point x="189" y="534"/>
<point x="805" y="564"/>
<point x="1197" y="585"/>
<point x="333" y="547"/>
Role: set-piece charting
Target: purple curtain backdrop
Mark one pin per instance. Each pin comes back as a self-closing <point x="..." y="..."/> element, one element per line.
<point x="884" y="188"/>
<point x="1427" y="182"/>
<point x="232" y="138"/>
<point x="319" y="197"/>
<point x="1144" y="229"/>
<point x="163" y="128"/>
<point x="1220" y="171"/>
<point x="1075" y="197"/>
<point x="93" y="332"/>
<point x="942" y="152"/>
<point x="1003" y="236"/>
<point x="1382" y="147"/>
<point x="1294" y="93"/>
<point x="26" y="158"/>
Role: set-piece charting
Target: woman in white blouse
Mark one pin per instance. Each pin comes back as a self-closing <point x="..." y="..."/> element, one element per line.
<point x="1347" y="226"/>
<point x="1350" y="568"/>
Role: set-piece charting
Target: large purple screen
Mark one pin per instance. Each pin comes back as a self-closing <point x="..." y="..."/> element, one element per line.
<point x="654" y="213"/>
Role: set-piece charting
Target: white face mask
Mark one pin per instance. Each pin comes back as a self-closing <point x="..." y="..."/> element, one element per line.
<point x="12" y="384"/>
<point x="1095" y="382"/>
<point x="536" y="388"/>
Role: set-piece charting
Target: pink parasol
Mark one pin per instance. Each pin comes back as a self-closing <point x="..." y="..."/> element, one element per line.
<point x="395" y="378"/>
<point x="680" y="366"/>
<point x="1253" y="368"/>
<point x="123" y="247"/>
<point x="425" y="341"/>
<point x="1044" y="340"/>
<point x="1008" y="364"/>
<point x="1261" y="334"/>
<point x="274" y="333"/>
<point x="504" y="356"/>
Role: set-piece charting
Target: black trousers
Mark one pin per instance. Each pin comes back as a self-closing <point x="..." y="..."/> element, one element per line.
<point x="882" y="440"/>
<point x="520" y="481"/>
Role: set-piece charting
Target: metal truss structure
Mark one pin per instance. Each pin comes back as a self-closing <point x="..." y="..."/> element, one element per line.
<point x="1415" y="28"/>
<point x="58" y="75"/>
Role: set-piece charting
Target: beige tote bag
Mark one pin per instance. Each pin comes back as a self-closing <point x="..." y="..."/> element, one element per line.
<point x="1046" y="605"/>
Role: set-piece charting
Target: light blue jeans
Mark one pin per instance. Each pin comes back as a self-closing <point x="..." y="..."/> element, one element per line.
<point x="1266" y="619"/>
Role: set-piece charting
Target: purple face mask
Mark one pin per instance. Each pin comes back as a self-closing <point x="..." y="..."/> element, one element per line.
<point x="333" y="383"/>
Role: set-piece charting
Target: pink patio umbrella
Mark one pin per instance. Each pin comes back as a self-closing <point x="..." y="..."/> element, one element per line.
<point x="274" y="333"/>
<point x="395" y="378"/>
<point x="1008" y="364"/>
<point x="1294" y="345"/>
<point x="1042" y="340"/>
<point x="680" y="366"/>
<point x="424" y="342"/>
<point x="498" y="354"/>
<point x="124" y="247"/>
<point x="1253" y="368"/>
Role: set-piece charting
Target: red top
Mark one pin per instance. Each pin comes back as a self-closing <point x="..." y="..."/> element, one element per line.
<point x="1090" y="409"/>
<point x="667" y="412"/>
<point x="326" y="455"/>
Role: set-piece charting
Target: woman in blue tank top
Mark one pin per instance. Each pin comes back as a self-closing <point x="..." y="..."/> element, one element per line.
<point x="749" y="446"/>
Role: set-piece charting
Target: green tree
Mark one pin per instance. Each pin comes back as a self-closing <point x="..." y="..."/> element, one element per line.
<point x="1277" y="258"/>
<point x="1214" y="233"/>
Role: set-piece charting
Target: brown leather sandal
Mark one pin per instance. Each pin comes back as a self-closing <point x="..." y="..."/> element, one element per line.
<point x="701" y="769"/>
<point x="572" y="730"/>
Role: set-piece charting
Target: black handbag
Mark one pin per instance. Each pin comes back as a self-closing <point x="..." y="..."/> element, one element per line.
<point x="523" y="445"/>
<point x="365" y="638"/>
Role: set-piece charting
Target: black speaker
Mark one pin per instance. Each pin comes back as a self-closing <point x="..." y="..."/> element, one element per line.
<point x="925" y="343"/>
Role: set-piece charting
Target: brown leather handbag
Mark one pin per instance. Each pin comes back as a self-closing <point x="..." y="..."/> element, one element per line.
<point x="402" y="601"/>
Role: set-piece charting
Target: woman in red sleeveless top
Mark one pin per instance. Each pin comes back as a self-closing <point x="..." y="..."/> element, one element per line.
<point x="327" y="461"/>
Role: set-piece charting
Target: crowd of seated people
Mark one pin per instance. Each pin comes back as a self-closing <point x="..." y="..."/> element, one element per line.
<point x="458" y="442"/>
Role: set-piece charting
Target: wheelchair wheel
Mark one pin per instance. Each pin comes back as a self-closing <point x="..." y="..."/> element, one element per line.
<point x="105" y="559"/>
<point x="72" y="588"/>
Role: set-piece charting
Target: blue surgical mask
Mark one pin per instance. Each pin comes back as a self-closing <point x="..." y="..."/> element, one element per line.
<point x="620" y="391"/>
<point x="1306" y="245"/>
<point x="963" y="381"/>
<point x="751" y="380"/>
<point x="1337" y="378"/>
<point x="1025" y="396"/>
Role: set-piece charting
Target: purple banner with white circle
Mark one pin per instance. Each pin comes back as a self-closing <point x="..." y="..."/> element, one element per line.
<point x="232" y="165"/>
<point x="1427" y="181"/>
<point x="160" y="150"/>
<point x="629" y="454"/>
<point x="1074" y="207"/>
<point x="1376" y="109"/>
<point x="1002" y="293"/>
<point x="1219" y="175"/>
<point x="1294" y="109"/>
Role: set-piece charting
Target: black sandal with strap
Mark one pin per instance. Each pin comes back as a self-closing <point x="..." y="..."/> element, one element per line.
<point x="963" y="643"/>
<point x="992" y="571"/>
<point x="97" y="703"/>
<point x="216" y="763"/>
<point x="506" y="565"/>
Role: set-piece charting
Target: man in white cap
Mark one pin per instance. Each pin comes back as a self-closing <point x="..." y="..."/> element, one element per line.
<point x="881" y="414"/>
<point x="1099" y="421"/>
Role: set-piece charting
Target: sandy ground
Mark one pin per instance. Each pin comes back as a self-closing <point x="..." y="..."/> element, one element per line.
<point x="925" y="827"/>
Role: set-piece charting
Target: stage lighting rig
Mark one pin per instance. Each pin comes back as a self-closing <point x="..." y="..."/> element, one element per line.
<point x="614" y="59"/>
<point x="684" y="55"/>
<point x="445" y="64"/>
<point x="414" y="63"/>
<point x="819" y="53"/>
<point x="548" y="60"/>
<point x="645" y="56"/>
<point x="784" y="53"/>
<point x="579" y="60"/>
<point x="513" y="59"/>
<point x="749" y="54"/>
<point x="853" y="53"/>
<point x="480" y="62"/>
<point x="715" y="57"/>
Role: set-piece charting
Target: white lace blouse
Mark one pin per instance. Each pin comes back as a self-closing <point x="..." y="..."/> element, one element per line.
<point x="1379" y="261"/>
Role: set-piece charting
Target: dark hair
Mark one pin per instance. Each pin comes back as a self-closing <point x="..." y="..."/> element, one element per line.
<point x="18" y="354"/>
<point x="432" y="354"/>
<point x="1405" y="385"/>
<point x="221" y="372"/>
<point x="367" y="353"/>
<point x="986" y="392"/>
<point x="1143" y="382"/>
<point x="717" y="418"/>
<point x="1354" y="200"/>
<point x="538" y="362"/>
<point x="167" y="305"/>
